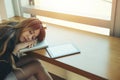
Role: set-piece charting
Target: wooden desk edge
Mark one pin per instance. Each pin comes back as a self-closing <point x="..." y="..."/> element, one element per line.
<point x="67" y="67"/>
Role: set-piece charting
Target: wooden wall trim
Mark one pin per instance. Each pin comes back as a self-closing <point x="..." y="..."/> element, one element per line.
<point x="73" y="18"/>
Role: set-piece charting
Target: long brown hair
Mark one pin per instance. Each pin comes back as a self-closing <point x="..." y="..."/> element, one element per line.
<point x="27" y="24"/>
<point x="32" y="24"/>
<point x="9" y="37"/>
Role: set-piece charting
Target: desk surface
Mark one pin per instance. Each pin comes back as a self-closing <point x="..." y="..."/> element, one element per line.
<point x="100" y="55"/>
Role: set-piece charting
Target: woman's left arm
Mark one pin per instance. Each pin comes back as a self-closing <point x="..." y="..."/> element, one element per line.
<point x="24" y="45"/>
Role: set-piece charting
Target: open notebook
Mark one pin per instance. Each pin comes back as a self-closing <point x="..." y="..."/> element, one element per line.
<point x="39" y="45"/>
<point x="63" y="50"/>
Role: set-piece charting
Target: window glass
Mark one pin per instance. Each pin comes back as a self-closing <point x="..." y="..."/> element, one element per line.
<point x="91" y="8"/>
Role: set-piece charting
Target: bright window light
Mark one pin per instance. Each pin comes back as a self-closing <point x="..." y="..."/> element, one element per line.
<point x="79" y="26"/>
<point x="100" y="9"/>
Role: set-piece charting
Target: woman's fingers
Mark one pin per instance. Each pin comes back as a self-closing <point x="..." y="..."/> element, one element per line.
<point x="32" y="43"/>
<point x="26" y="44"/>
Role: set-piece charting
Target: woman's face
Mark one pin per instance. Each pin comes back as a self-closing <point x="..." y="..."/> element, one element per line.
<point x="29" y="35"/>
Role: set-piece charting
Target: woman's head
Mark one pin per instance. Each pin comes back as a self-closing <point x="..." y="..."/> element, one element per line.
<point x="31" y="29"/>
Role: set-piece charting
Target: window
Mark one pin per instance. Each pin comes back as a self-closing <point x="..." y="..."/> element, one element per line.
<point x="90" y="28"/>
<point x="93" y="9"/>
<point x="107" y="21"/>
<point x="100" y="9"/>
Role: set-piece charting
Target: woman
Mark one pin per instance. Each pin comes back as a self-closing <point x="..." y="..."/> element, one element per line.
<point x="12" y="39"/>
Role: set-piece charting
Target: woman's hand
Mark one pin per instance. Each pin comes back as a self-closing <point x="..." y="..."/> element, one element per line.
<point x="28" y="44"/>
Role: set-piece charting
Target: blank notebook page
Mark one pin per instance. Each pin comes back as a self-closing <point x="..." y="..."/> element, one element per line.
<point x="62" y="50"/>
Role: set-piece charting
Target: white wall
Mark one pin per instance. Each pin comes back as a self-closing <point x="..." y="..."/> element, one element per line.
<point x="16" y="7"/>
<point x="6" y="9"/>
<point x="2" y="9"/>
<point x="24" y="3"/>
<point x="9" y="8"/>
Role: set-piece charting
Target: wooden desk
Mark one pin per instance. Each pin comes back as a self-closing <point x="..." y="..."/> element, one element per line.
<point x="99" y="58"/>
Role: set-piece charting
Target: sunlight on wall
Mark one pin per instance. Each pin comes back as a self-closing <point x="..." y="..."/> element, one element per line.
<point x="79" y="26"/>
